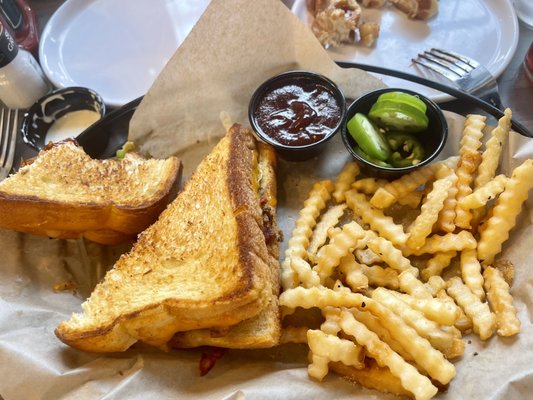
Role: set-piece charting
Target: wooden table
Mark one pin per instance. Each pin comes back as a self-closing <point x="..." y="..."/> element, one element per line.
<point x="516" y="89"/>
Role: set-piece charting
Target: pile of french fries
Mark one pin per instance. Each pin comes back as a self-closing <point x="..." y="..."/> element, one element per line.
<point x="383" y="279"/>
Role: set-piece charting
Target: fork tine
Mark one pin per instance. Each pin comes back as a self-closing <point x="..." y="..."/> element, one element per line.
<point x="456" y="69"/>
<point x="457" y="65"/>
<point x="466" y="60"/>
<point x="436" y="67"/>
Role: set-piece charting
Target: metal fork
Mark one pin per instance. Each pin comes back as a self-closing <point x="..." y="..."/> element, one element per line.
<point x="8" y="140"/>
<point x="466" y="73"/>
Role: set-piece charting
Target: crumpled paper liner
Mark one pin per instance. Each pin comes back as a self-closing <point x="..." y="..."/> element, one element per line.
<point x="34" y="364"/>
<point x="234" y="47"/>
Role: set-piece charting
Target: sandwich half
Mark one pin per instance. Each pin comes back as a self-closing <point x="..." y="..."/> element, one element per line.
<point x="209" y="261"/>
<point x="64" y="193"/>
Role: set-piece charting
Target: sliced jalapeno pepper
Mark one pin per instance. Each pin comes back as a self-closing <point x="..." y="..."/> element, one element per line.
<point x="368" y="137"/>
<point x="372" y="160"/>
<point x="406" y="150"/>
<point x="398" y="116"/>
<point x="402" y="97"/>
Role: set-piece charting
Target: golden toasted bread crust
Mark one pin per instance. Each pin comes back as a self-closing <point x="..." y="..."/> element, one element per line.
<point x="66" y="194"/>
<point x="203" y="264"/>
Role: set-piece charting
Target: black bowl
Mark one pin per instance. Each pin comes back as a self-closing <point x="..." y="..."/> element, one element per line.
<point x="433" y="138"/>
<point x="308" y="81"/>
<point x="54" y="105"/>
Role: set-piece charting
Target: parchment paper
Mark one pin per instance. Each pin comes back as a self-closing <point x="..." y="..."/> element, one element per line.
<point x="36" y="365"/>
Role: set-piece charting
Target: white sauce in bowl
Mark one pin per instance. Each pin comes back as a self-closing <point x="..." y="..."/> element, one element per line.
<point x="71" y="125"/>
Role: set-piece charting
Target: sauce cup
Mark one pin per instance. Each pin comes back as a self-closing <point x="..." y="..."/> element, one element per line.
<point x="297" y="112"/>
<point x="61" y="114"/>
<point x="432" y="139"/>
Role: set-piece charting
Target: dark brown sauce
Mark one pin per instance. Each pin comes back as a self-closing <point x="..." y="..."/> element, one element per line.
<point x="298" y="113"/>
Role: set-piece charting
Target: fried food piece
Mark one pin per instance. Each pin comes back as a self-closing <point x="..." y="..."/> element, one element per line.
<point x="471" y="272"/>
<point x="442" y="312"/>
<point x="436" y="264"/>
<point x="468" y="163"/>
<point x="329" y="256"/>
<point x="391" y="192"/>
<point x="490" y="158"/>
<point x="335" y="21"/>
<point x="378" y="221"/>
<point x="449" y="242"/>
<point x="417" y="9"/>
<point x="411" y="285"/>
<point x="421" y="227"/>
<point x="508" y="206"/>
<point x="345" y="179"/>
<point x="379" y="276"/>
<point x="326" y="348"/>
<point x="320" y="234"/>
<point x="501" y="302"/>
<point x="368" y="185"/>
<point x="410" y="378"/>
<point x="483" y="194"/>
<point x="353" y="273"/>
<point x="368" y="32"/>
<point x="294" y="268"/>
<point x="483" y="320"/>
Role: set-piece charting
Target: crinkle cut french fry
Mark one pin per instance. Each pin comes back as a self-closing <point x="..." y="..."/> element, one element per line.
<point x="412" y="285"/>
<point x="431" y="360"/>
<point x="421" y="227"/>
<point x="436" y="264"/>
<point x="490" y="157"/>
<point x="293" y="334"/>
<point x="373" y="323"/>
<point x="446" y="219"/>
<point x="471" y="272"/>
<point x="328" y="257"/>
<point x="369" y="185"/>
<point x="442" y="312"/>
<point x="344" y="180"/>
<point x="483" y="194"/>
<point x="391" y="255"/>
<point x="440" y="244"/>
<point x="467" y="168"/>
<point x="464" y="322"/>
<point x="411" y="379"/>
<point x="391" y="192"/>
<point x="501" y="302"/>
<point x="319" y="297"/>
<point x="379" y="276"/>
<point x="483" y="320"/>
<point x="372" y="377"/>
<point x="297" y="245"/>
<point x="472" y="134"/>
<point x="508" y="205"/>
<point x="378" y="221"/>
<point x="332" y="348"/>
<point x="320" y="234"/>
<point x="468" y="163"/>
<point x="353" y="273"/>
<point x="439" y="339"/>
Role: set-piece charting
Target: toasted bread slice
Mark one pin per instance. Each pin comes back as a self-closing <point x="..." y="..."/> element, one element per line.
<point x="63" y="193"/>
<point x="264" y="330"/>
<point x="204" y="264"/>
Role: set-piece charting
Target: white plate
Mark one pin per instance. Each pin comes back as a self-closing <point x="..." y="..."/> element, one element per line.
<point x="486" y="30"/>
<point x="115" y="47"/>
